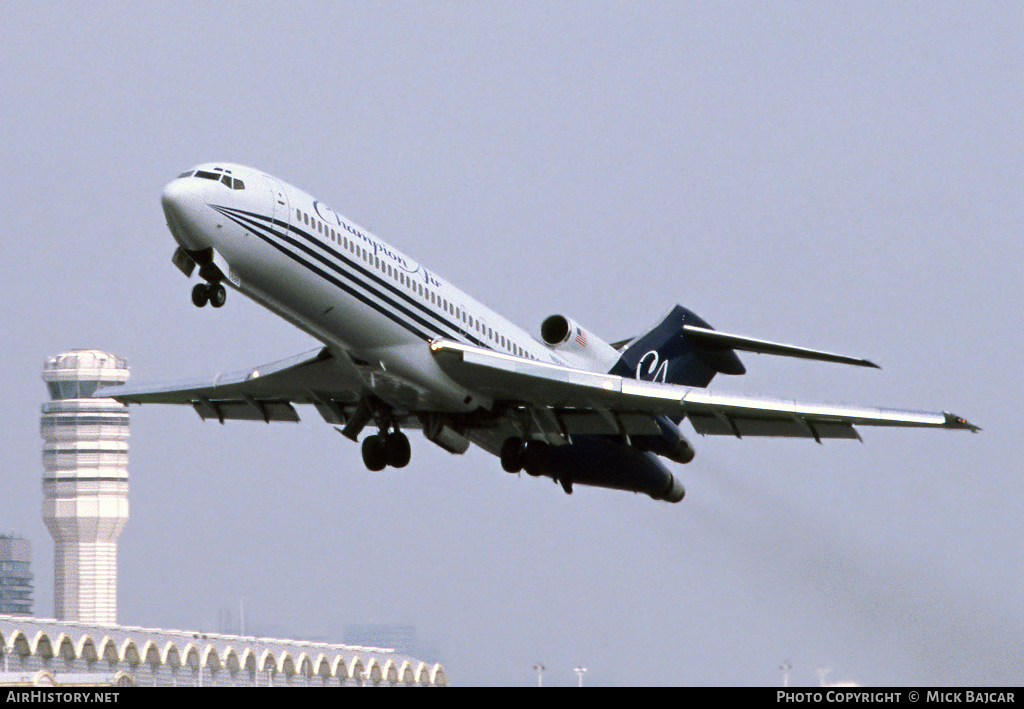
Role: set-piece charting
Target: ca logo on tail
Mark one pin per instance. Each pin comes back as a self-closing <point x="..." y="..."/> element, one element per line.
<point x="655" y="372"/>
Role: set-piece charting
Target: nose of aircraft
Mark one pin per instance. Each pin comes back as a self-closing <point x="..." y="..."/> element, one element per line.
<point x="182" y="205"/>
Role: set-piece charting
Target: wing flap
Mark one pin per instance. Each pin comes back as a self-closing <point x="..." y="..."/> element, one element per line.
<point x="590" y="423"/>
<point x="742" y="427"/>
<point x="246" y="410"/>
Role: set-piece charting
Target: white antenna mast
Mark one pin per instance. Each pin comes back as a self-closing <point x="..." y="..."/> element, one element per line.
<point x="822" y="672"/>
<point x="580" y="671"/>
<point x="785" y="667"/>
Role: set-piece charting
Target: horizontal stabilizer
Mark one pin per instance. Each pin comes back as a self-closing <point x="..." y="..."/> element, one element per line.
<point x="715" y="339"/>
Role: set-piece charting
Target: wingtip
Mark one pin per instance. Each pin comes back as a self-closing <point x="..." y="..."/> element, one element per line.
<point x="954" y="421"/>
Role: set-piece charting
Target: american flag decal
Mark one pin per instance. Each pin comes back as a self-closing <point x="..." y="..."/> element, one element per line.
<point x="581" y="337"/>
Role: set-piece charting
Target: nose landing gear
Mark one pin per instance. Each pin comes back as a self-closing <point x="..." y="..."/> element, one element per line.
<point x="213" y="293"/>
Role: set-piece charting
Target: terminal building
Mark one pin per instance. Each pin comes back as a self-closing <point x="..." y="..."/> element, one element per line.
<point x="38" y="651"/>
<point x="85" y="507"/>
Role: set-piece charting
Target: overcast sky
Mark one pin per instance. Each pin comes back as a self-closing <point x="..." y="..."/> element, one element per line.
<point x="836" y="175"/>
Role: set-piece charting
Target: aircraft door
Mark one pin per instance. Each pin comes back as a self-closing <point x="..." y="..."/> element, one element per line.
<point x="281" y="214"/>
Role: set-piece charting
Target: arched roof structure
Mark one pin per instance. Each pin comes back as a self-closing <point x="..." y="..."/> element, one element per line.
<point x="52" y="644"/>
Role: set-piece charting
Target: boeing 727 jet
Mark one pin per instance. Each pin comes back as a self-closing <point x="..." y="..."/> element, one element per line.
<point x="404" y="349"/>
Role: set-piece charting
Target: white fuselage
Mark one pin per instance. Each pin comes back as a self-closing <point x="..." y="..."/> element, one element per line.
<point x="335" y="280"/>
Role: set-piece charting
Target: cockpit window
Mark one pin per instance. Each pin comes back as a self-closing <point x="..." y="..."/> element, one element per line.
<point x="231" y="182"/>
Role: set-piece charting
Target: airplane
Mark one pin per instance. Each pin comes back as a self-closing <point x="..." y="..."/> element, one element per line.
<point x="403" y="349"/>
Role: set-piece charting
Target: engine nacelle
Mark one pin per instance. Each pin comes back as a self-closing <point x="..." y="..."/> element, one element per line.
<point x="574" y="342"/>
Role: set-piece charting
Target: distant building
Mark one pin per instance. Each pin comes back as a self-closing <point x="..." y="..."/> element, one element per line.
<point x="85" y="482"/>
<point x="400" y="637"/>
<point x="15" y="576"/>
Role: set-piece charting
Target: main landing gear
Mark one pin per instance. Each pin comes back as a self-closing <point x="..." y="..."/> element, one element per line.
<point x="213" y="293"/>
<point x="516" y="456"/>
<point x="389" y="447"/>
<point x="384" y="449"/>
<point x="532" y="457"/>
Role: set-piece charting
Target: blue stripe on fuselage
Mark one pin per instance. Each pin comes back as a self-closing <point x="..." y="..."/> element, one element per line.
<point x="248" y="221"/>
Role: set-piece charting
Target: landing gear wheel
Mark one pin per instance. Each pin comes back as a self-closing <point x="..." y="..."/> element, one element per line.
<point x="200" y="295"/>
<point x="218" y="295"/>
<point x="535" y="457"/>
<point x="375" y="456"/>
<point x="512" y="455"/>
<point x="397" y="449"/>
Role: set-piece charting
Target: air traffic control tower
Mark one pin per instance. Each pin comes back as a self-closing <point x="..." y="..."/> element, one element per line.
<point x="85" y="482"/>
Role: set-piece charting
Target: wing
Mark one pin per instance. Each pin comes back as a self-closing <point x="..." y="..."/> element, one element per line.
<point x="264" y="393"/>
<point x="575" y="397"/>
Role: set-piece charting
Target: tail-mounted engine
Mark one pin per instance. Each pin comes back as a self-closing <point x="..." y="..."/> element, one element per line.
<point x="575" y="343"/>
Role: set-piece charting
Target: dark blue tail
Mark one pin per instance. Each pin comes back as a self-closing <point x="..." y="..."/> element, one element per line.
<point x="666" y="354"/>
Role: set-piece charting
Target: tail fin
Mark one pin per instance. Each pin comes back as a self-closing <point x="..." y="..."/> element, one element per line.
<point x="666" y="354"/>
